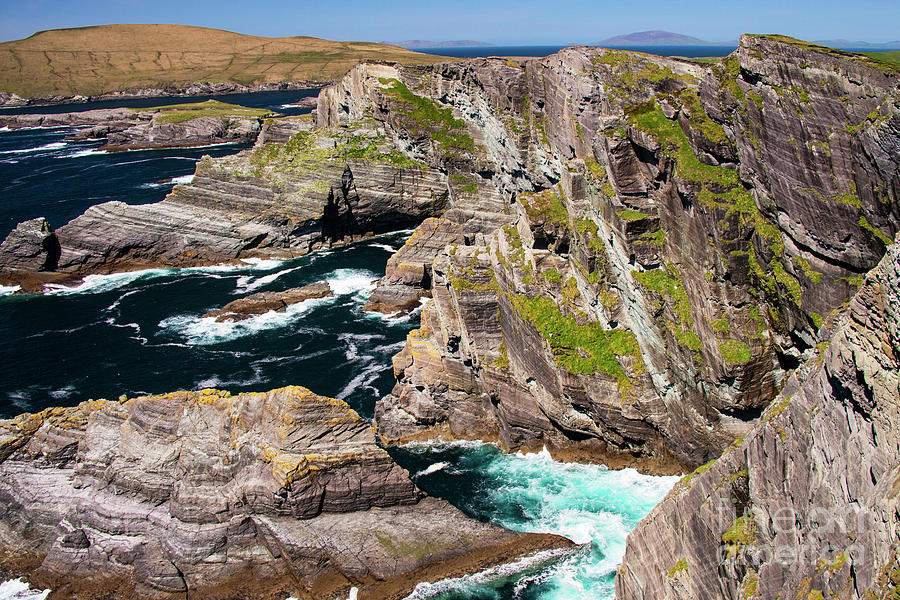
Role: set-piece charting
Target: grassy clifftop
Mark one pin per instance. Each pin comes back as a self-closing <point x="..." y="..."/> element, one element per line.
<point x="107" y="58"/>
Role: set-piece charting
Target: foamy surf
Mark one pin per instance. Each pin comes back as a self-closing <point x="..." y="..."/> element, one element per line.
<point x="359" y="282"/>
<point x="183" y="180"/>
<point x="94" y="284"/>
<point x="16" y="589"/>
<point x="87" y="152"/>
<point x="202" y="331"/>
<point x="7" y="290"/>
<point x="385" y="247"/>
<point x="519" y="567"/>
<point x="248" y="283"/>
<point x="589" y="504"/>
<point x="44" y="148"/>
<point x="439" y="466"/>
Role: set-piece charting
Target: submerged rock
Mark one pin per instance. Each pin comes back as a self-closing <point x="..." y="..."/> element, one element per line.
<point x="211" y="495"/>
<point x="263" y="302"/>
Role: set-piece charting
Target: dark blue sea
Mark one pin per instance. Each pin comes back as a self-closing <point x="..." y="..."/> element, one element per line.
<point x="485" y="51"/>
<point x="539" y="51"/>
<point x="143" y="332"/>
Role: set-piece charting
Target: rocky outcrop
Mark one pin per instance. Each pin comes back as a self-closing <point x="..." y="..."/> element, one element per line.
<point x="263" y="302"/>
<point x="806" y="505"/>
<point x="100" y="118"/>
<point x="200" y="88"/>
<point x="628" y="254"/>
<point x="130" y="129"/>
<point x="208" y="495"/>
<point x="194" y="132"/>
<point x="284" y="200"/>
<point x="31" y="246"/>
<point x="666" y="261"/>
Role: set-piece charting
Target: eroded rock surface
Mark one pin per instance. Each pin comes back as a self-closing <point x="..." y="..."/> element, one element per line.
<point x="677" y="236"/>
<point x="204" y="494"/>
<point x="626" y="254"/>
<point x="806" y="505"/>
<point x="263" y="302"/>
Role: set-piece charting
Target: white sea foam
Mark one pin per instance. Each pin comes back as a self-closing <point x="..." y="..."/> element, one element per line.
<point x="359" y="282"/>
<point x="6" y="290"/>
<point x="528" y="563"/>
<point x="87" y="152"/>
<point x="263" y="263"/>
<point x="434" y="468"/>
<point x="94" y="284"/>
<point x="202" y="331"/>
<point x="390" y="249"/>
<point x="589" y="504"/>
<point x="44" y="148"/>
<point x="183" y="180"/>
<point x="249" y="283"/>
<point x="16" y="589"/>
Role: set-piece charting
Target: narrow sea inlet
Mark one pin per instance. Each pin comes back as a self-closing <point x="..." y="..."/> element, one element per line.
<point x="143" y="332"/>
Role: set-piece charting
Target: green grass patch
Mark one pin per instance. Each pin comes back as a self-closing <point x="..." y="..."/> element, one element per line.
<point x="632" y="215"/>
<point x="734" y="352"/>
<point x="677" y="568"/>
<point x="551" y="275"/>
<point x="699" y="119"/>
<point x="581" y="349"/>
<point x="446" y="130"/>
<point x="669" y="284"/>
<point x="657" y="238"/>
<point x="179" y="113"/>
<point x="880" y="235"/>
<point x="721" y="325"/>
<point x="741" y="533"/>
<point x="811" y="274"/>
<point x="545" y="206"/>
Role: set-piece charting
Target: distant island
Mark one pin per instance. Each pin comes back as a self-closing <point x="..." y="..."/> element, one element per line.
<point x="660" y="38"/>
<point x="667" y="38"/>
<point x="410" y="44"/>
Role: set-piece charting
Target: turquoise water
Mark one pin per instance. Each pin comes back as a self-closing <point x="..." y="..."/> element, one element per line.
<point x="589" y="504"/>
<point x="143" y="332"/>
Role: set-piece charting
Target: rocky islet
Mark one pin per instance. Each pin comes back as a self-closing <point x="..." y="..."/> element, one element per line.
<point x="627" y="258"/>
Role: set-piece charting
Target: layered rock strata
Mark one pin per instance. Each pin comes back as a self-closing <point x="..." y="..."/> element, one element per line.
<point x="806" y="505"/>
<point x="263" y="302"/>
<point x="129" y="129"/>
<point x="320" y="189"/>
<point x="678" y="235"/>
<point x="628" y="253"/>
<point x="200" y="88"/>
<point x="208" y="495"/>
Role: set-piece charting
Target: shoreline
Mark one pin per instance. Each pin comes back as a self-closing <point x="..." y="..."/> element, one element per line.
<point x="9" y="100"/>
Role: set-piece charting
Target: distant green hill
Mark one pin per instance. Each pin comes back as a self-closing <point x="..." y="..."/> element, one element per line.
<point x="108" y="58"/>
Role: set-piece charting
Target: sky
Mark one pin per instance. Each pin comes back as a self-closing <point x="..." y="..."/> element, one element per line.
<point x="504" y="22"/>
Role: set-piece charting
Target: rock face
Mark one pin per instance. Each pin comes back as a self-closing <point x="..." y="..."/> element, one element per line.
<point x="194" y="132"/>
<point x="204" y="494"/>
<point x="263" y="302"/>
<point x="626" y="255"/>
<point x="806" y="505"/>
<point x="31" y="246"/>
<point x="677" y="236"/>
<point x="282" y="200"/>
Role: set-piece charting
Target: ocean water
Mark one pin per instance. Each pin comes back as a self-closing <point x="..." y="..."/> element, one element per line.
<point x="485" y="51"/>
<point x="589" y="504"/>
<point x="43" y="175"/>
<point x="143" y="332"/>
